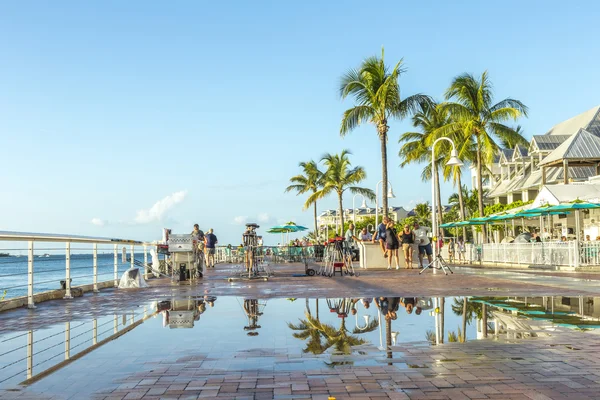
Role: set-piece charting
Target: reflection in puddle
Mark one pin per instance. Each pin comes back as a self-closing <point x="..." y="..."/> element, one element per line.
<point x="291" y="334"/>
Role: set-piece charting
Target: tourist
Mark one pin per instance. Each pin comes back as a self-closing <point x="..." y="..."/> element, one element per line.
<point x="198" y="245"/>
<point x="366" y="302"/>
<point x="421" y="234"/>
<point x="350" y="240"/>
<point x="211" y="243"/>
<point x="380" y="235"/>
<point x="461" y="249"/>
<point x="451" y="250"/>
<point x="587" y="238"/>
<point x="563" y="239"/>
<point x="407" y="238"/>
<point x="365" y="236"/>
<point x="536" y="238"/>
<point x="392" y="244"/>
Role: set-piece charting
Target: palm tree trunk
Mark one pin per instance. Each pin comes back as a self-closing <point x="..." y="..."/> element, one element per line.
<point x="388" y="338"/>
<point x="442" y="306"/>
<point x="317" y="307"/>
<point x="341" y="214"/>
<point x="480" y="188"/>
<point x="461" y="203"/>
<point x="484" y="320"/>
<point x="464" y="320"/>
<point x="384" y="173"/>
<point x="316" y="227"/>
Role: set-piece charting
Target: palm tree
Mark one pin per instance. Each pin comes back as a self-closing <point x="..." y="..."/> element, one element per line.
<point x="377" y="93"/>
<point x="309" y="181"/>
<point x="339" y="177"/>
<point x="422" y="212"/>
<point x="417" y="145"/>
<point x="474" y="113"/>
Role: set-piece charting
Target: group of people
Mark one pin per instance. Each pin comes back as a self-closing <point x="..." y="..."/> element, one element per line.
<point x="409" y="240"/>
<point x="205" y="244"/>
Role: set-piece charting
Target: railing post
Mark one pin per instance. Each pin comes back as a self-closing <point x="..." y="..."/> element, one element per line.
<point x="115" y="324"/>
<point x="577" y="252"/>
<point x="131" y="249"/>
<point x="95" y="332"/>
<point x="29" y="354"/>
<point x="95" y="253"/>
<point x="116" y="277"/>
<point x="30" y="303"/>
<point x="67" y="340"/>
<point x="68" y="269"/>
<point x="146" y="276"/>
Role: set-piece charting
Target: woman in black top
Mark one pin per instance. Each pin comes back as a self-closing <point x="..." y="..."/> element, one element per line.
<point x="392" y="244"/>
<point x="407" y="238"/>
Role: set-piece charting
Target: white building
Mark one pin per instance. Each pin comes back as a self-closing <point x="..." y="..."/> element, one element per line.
<point x="329" y="217"/>
<point x="568" y="153"/>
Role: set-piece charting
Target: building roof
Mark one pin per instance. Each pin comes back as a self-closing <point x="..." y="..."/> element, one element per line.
<point x="581" y="146"/>
<point x="359" y="211"/>
<point x="547" y="142"/>
<point x="556" y="194"/>
<point x="589" y="120"/>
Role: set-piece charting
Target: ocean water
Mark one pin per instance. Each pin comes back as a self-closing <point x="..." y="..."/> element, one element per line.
<point x="49" y="271"/>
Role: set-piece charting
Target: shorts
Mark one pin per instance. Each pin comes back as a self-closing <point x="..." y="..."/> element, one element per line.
<point x="426" y="249"/>
<point x="393" y="246"/>
<point x="210" y="251"/>
<point x="407" y="249"/>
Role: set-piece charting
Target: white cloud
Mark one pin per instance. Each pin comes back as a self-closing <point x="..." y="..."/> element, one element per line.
<point x="98" y="222"/>
<point x="158" y="210"/>
<point x="263" y="217"/>
<point x="240" y="219"/>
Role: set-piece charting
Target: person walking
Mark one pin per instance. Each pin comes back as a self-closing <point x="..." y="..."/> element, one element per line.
<point x="211" y="243"/>
<point x="392" y="244"/>
<point x="407" y="238"/>
<point x="461" y="250"/>
<point x="421" y="235"/>
<point x="451" y="250"/>
<point x="380" y="235"/>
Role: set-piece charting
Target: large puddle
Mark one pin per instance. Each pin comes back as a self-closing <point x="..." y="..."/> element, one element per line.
<point x="231" y="333"/>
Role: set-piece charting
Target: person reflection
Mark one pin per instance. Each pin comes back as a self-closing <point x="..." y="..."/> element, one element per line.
<point x="388" y="306"/>
<point x="409" y="304"/>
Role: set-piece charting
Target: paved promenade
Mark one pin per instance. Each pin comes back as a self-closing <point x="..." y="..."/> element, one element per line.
<point x="565" y="364"/>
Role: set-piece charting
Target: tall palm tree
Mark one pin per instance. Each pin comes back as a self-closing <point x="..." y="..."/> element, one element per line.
<point x="339" y="177"/>
<point x="471" y="107"/>
<point x="417" y="145"/>
<point x="310" y="180"/>
<point x="377" y="94"/>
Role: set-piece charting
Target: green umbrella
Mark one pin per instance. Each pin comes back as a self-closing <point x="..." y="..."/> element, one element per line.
<point x="573" y="206"/>
<point x="448" y="225"/>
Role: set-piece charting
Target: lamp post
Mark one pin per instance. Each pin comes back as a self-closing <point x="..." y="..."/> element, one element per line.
<point x="390" y="195"/>
<point x="453" y="161"/>
<point x="363" y="205"/>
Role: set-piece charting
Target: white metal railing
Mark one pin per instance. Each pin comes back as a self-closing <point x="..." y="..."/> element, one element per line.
<point x="78" y="253"/>
<point x="571" y="253"/>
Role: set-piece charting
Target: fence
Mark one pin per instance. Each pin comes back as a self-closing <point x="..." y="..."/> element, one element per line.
<point x="571" y="253"/>
<point x="273" y="254"/>
<point x="85" y="259"/>
<point x="36" y="353"/>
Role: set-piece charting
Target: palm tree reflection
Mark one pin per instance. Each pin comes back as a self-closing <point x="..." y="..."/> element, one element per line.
<point x="321" y="336"/>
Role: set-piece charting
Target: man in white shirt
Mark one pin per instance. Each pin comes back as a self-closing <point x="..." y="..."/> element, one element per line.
<point x="365" y="236"/>
<point x="423" y="242"/>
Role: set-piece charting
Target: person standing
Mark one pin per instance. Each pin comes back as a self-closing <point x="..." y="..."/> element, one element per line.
<point x="407" y="238"/>
<point x="451" y="250"/>
<point x="211" y="243"/>
<point x="461" y="249"/>
<point x="350" y="240"/>
<point x="198" y="246"/>
<point x="392" y="244"/>
<point x="380" y="235"/>
<point x="421" y="235"/>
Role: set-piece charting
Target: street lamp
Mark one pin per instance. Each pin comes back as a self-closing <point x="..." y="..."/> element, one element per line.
<point x="390" y="195"/>
<point x="452" y="162"/>
<point x="363" y="205"/>
<point x="367" y="318"/>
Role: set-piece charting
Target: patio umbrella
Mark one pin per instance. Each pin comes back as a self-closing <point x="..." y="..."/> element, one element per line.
<point x="575" y="205"/>
<point x="289" y="227"/>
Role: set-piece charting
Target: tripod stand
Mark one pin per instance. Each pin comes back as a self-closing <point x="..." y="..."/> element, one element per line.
<point x="438" y="263"/>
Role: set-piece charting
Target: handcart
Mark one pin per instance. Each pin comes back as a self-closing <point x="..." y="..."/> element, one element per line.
<point x="186" y="259"/>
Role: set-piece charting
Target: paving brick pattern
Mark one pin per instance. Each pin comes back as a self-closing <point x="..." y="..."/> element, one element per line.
<point x="565" y="365"/>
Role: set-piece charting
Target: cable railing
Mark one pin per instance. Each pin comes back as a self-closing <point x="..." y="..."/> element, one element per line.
<point x="32" y="263"/>
<point x="272" y="254"/>
<point x="42" y="350"/>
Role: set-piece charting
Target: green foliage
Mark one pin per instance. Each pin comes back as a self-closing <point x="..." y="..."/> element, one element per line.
<point x="3" y="295"/>
<point x="430" y="336"/>
<point x="498" y="208"/>
<point x="453" y="337"/>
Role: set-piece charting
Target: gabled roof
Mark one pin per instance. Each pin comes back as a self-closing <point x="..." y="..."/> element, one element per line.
<point x="503" y="156"/>
<point x="519" y="152"/>
<point x="581" y="146"/>
<point x="589" y="120"/>
<point x="546" y="142"/>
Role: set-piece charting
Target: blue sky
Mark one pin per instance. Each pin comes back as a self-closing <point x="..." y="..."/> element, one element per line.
<point x="141" y="115"/>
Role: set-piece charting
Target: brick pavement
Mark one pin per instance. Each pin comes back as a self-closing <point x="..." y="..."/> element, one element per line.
<point x="564" y="365"/>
